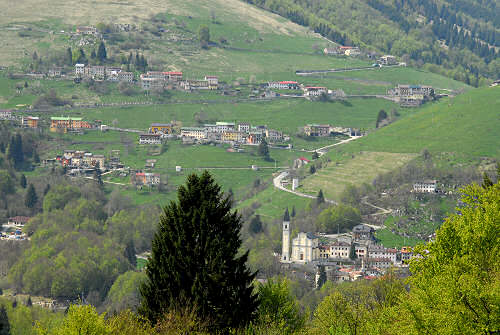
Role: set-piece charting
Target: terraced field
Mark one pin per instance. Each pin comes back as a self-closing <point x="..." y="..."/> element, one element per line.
<point x="362" y="168"/>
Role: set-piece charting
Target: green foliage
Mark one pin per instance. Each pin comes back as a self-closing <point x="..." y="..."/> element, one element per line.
<point x="15" y="151"/>
<point x="4" y="321"/>
<point x="341" y="217"/>
<point x="255" y="225"/>
<point x="6" y="183"/>
<point x="130" y="253"/>
<point x="124" y="294"/>
<point x="352" y="252"/>
<point x="455" y="287"/>
<point x="81" y="320"/>
<point x="382" y="115"/>
<point x="263" y="149"/>
<point x="204" y="35"/>
<point x="320" y="198"/>
<point x="195" y="259"/>
<point x="59" y="196"/>
<point x="101" y="52"/>
<point x="22" y="181"/>
<point x="278" y="309"/>
<point x="31" y="198"/>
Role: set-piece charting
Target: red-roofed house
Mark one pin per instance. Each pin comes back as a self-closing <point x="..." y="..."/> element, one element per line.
<point x="173" y="75"/>
<point x="18" y="220"/>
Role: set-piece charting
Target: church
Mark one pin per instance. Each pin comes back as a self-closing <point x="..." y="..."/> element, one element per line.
<point x="304" y="247"/>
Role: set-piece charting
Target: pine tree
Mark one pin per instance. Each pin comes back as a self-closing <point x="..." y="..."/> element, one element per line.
<point x="29" y="303"/>
<point x="195" y="261"/>
<point x="286" y="216"/>
<point x="321" y="198"/>
<point x="69" y="56"/>
<point x="4" y="321"/>
<point x="2" y="147"/>
<point x="352" y="252"/>
<point x="46" y="190"/>
<point x="293" y="212"/>
<point x="255" y="226"/>
<point x="101" y="52"/>
<point x="322" y="277"/>
<point x="30" y="198"/>
<point x="130" y="253"/>
<point x="97" y="177"/>
<point x="23" y="182"/>
<point x="263" y="149"/>
<point x="315" y="155"/>
<point x="36" y="158"/>
<point x="312" y="169"/>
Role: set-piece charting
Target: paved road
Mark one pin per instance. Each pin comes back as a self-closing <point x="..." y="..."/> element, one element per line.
<point x="321" y="151"/>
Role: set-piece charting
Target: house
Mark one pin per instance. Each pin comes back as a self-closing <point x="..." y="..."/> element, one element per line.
<point x="331" y="51"/>
<point x="173" y="75"/>
<point x="149" y="139"/>
<point x="255" y="137"/>
<point x="55" y="72"/>
<point x="86" y="30"/>
<point x="419" y="91"/>
<point x="149" y="83"/>
<point x="274" y="135"/>
<point x="314" y="91"/>
<point x="30" y="121"/>
<point x="283" y="85"/>
<point x="305" y="248"/>
<point x="378" y="251"/>
<point x="194" y="132"/>
<point x="195" y="84"/>
<point x="112" y="71"/>
<point x="221" y="127"/>
<point x="155" y="75"/>
<point x="68" y="123"/>
<point x="426" y="186"/>
<point x="349" y="51"/>
<point x="80" y="70"/>
<point x="213" y="82"/>
<point x="126" y="77"/>
<point x="231" y="136"/>
<point x="163" y="128"/>
<point x="388" y="60"/>
<point x="5" y="114"/>
<point x="18" y="220"/>
<point x="406" y="254"/>
<point x="379" y="263"/>
<point x="98" y="71"/>
<point x="339" y="250"/>
<point x="362" y="233"/>
<point x="321" y="130"/>
<point x="244" y="127"/>
<point x="146" y="178"/>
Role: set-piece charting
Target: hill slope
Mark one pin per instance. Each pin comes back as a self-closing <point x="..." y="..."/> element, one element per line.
<point x="468" y="124"/>
<point x="450" y="34"/>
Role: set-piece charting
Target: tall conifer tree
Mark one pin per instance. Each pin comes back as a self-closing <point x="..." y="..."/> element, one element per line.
<point x="195" y="261"/>
<point x="31" y="198"/>
<point x="4" y="322"/>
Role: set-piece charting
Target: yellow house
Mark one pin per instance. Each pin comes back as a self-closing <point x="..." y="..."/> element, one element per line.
<point x="165" y="128"/>
<point x="231" y="136"/>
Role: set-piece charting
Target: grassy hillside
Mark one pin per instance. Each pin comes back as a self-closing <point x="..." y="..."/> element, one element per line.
<point x="468" y="124"/>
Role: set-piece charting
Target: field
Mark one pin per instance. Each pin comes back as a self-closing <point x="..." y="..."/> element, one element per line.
<point x="390" y="240"/>
<point x="467" y="124"/>
<point x="354" y="169"/>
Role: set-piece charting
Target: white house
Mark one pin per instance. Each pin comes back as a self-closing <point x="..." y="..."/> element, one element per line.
<point x="79" y="69"/>
<point x="426" y="186"/>
<point x="150" y="139"/>
<point x="314" y="91"/>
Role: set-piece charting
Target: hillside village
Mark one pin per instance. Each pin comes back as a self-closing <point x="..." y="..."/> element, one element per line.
<point x="112" y="123"/>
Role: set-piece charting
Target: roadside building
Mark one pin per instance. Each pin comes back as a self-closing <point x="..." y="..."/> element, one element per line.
<point x="126" y="77"/>
<point x="18" y="221"/>
<point x="68" y="123"/>
<point x="163" y="128"/>
<point x="147" y="178"/>
<point x="30" y="121"/>
<point x="173" y="75"/>
<point x="283" y="85"/>
<point x="331" y="51"/>
<point x="194" y="132"/>
<point x="320" y="130"/>
<point x="213" y="82"/>
<point x="388" y="60"/>
<point x="149" y="139"/>
<point x="314" y="91"/>
<point x="426" y="186"/>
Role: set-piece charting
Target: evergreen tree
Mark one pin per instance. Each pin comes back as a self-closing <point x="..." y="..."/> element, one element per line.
<point x="352" y="252"/>
<point x="81" y="58"/>
<point x="97" y="177"/>
<point x="69" y="56"/>
<point x="312" y="169"/>
<point x="36" y="158"/>
<point x="255" y="226"/>
<point x="26" y="84"/>
<point x="486" y="181"/>
<point x="101" y="52"/>
<point x="2" y="147"/>
<point x="4" y="321"/>
<point x="322" y="277"/>
<point x="382" y="115"/>
<point x="263" y="149"/>
<point x="46" y="190"/>
<point x="93" y="55"/>
<point x="293" y="212"/>
<point x="286" y="216"/>
<point x="320" y="198"/>
<point x="130" y="253"/>
<point x="29" y="303"/>
<point x="204" y="35"/>
<point x="315" y="155"/>
<point x="30" y="198"/>
<point x="23" y="181"/>
<point x="195" y="261"/>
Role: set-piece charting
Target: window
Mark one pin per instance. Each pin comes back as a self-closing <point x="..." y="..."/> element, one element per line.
<point x="301" y="257"/>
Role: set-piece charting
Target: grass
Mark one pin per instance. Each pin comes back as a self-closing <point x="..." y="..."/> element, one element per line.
<point x="346" y="169"/>
<point x="390" y="240"/>
<point x="468" y="124"/>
